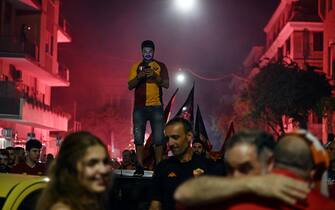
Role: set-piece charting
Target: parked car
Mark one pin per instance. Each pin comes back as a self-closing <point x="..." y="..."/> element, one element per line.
<point x="20" y="192"/>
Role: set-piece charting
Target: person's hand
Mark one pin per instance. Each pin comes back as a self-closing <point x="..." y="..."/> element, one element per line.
<point x="149" y="72"/>
<point x="155" y="205"/>
<point x="141" y="75"/>
<point x="278" y="186"/>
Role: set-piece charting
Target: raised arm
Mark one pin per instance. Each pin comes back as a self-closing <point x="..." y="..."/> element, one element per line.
<point x="218" y="189"/>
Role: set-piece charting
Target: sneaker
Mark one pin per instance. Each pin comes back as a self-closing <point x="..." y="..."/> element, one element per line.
<point x="139" y="172"/>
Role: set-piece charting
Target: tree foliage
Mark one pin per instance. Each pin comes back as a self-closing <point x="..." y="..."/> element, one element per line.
<point x="284" y="89"/>
<point x="109" y="119"/>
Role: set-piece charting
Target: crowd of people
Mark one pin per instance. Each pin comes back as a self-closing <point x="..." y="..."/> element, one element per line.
<point x="256" y="171"/>
<point x="25" y="161"/>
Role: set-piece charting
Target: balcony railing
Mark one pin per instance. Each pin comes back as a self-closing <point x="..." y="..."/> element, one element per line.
<point x="64" y="72"/>
<point x="9" y="91"/>
<point x="28" y="4"/>
<point x="12" y="46"/>
<point x="64" y="24"/>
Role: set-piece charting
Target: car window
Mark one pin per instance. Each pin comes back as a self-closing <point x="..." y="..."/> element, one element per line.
<point x="2" y="202"/>
<point x="29" y="202"/>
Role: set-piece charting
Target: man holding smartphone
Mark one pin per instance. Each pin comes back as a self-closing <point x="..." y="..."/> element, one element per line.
<point x="148" y="77"/>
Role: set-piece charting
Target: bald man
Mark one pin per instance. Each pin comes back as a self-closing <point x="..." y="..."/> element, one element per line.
<point x="298" y="155"/>
<point x="248" y="155"/>
<point x="293" y="158"/>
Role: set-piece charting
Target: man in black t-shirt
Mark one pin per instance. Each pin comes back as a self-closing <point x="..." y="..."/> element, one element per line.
<point x="170" y="173"/>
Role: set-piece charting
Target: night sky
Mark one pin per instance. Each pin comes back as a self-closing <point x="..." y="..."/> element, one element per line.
<point x="212" y="41"/>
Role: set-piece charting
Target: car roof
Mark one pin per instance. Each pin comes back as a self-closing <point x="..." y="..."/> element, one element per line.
<point x="8" y="181"/>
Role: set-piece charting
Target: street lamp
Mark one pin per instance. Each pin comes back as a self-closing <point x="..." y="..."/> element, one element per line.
<point x="180" y="77"/>
<point x="185" y="5"/>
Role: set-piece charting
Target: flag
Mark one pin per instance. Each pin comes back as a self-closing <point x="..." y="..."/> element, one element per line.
<point x="186" y="111"/>
<point x="168" y="108"/>
<point x="200" y="132"/>
<point x="148" y="153"/>
<point x="230" y="133"/>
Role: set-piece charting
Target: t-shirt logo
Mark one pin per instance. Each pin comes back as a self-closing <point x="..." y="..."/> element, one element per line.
<point x="155" y="67"/>
<point x="198" y="172"/>
<point x="172" y="174"/>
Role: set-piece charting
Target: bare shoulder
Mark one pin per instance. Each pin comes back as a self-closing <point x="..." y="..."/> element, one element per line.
<point x="60" y="206"/>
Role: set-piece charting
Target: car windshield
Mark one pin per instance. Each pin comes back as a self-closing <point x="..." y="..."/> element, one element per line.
<point x="29" y="203"/>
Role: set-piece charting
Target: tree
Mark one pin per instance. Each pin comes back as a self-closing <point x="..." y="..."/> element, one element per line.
<point x="242" y="115"/>
<point x="283" y="89"/>
<point x="109" y="120"/>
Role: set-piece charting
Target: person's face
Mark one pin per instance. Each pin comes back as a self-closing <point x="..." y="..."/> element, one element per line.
<point x="21" y="154"/>
<point x="34" y="154"/>
<point x="197" y="148"/>
<point x="3" y="159"/>
<point x="94" y="170"/>
<point x="126" y="157"/>
<point x="331" y="151"/>
<point x="11" y="157"/>
<point x="332" y="165"/>
<point x="148" y="53"/>
<point x="242" y="160"/>
<point x="178" y="140"/>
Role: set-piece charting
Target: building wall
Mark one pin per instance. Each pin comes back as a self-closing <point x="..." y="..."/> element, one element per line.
<point x="29" y="80"/>
<point x="43" y="34"/>
<point x="279" y="22"/>
<point x="327" y="12"/>
<point x="291" y="32"/>
<point x="329" y="39"/>
<point x="303" y="48"/>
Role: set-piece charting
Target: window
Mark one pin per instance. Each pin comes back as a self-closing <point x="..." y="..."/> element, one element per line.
<point x="288" y="46"/>
<point x="333" y="68"/>
<point x="1" y="3"/>
<point x="306" y="43"/>
<point x="2" y="202"/>
<point x="8" y="13"/>
<point x="316" y="119"/>
<point x="52" y="45"/>
<point x="318" y="41"/>
<point x="329" y="69"/>
<point x="330" y="5"/>
<point x="29" y="202"/>
<point x="280" y="54"/>
<point x="323" y="7"/>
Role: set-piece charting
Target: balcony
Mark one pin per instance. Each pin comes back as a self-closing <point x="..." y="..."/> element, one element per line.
<point x="64" y="72"/>
<point x="19" y="107"/>
<point x="27" y="4"/>
<point x="24" y="55"/>
<point x="290" y="27"/>
<point x="63" y="35"/>
<point x="10" y="46"/>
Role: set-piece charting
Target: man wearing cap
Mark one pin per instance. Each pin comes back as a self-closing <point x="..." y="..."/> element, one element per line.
<point x="31" y="166"/>
<point x="148" y="77"/>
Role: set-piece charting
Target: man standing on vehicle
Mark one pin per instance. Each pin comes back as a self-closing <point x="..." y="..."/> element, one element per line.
<point x="148" y="77"/>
